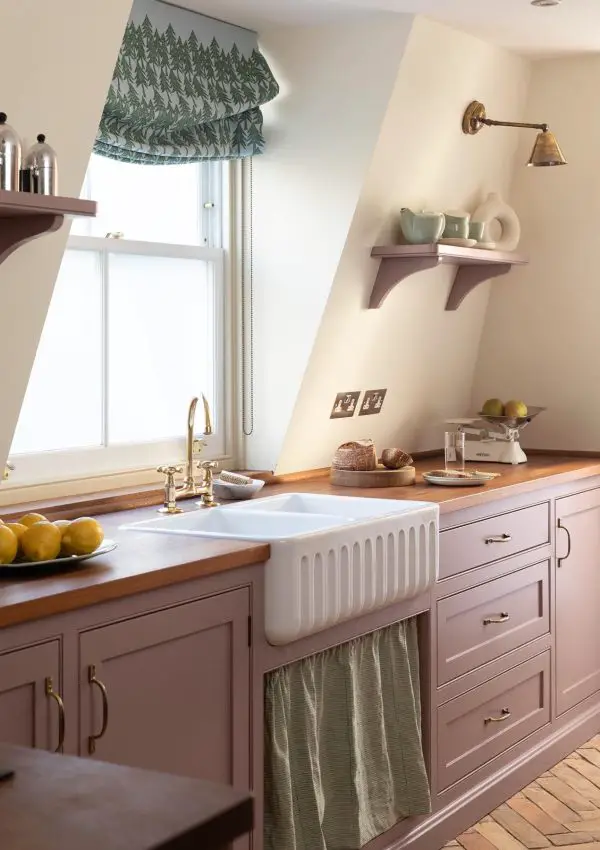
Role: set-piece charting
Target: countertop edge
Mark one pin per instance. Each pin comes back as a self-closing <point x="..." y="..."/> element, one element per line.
<point x="64" y="601"/>
<point x="481" y="496"/>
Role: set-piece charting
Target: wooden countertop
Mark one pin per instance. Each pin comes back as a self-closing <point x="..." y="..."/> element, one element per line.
<point x="141" y="562"/>
<point x="59" y="802"/>
<point x="148" y="561"/>
<point x="527" y="477"/>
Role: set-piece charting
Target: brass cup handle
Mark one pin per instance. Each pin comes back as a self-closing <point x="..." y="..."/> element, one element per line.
<point x="504" y="715"/>
<point x="564" y="528"/>
<point x="498" y="538"/>
<point x="500" y="618"/>
<point x="51" y="694"/>
<point x="93" y="680"/>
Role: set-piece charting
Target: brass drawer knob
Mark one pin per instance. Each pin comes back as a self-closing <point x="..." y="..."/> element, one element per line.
<point x="499" y="618"/>
<point x="504" y="715"/>
<point x="498" y="538"/>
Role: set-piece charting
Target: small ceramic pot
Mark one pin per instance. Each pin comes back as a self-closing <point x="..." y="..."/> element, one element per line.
<point x="457" y="226"/>
<point x="476" y="229"/>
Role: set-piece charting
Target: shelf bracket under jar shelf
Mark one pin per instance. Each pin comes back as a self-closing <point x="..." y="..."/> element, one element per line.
<point x="474" y="266"/>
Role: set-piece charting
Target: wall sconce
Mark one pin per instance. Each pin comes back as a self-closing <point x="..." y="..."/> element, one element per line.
<point x="546" y="150"/>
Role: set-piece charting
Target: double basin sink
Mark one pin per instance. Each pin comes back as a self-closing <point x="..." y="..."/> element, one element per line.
<point x="333" y="558"/>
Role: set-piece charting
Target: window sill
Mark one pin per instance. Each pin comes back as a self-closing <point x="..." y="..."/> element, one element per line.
<point x="93" y="504"/>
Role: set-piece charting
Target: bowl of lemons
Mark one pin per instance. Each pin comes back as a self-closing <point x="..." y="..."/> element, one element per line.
<point x="33" y="543"/>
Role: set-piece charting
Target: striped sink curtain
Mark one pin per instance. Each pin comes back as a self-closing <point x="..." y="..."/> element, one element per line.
<point x="343" y="753"/>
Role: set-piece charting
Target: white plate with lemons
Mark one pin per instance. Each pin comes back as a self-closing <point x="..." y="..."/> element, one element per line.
<point x="34" y="545"/>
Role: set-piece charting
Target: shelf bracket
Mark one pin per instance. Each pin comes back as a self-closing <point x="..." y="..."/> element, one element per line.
<point x="16" y="231"/>
<point x="393" y="270"/>
<point x="470" y="276"/>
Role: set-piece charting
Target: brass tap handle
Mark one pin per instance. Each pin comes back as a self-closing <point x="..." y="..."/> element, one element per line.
<point x="207" y="498"/>
<point x="170" y="502"/>
<point x="51" y="694"/>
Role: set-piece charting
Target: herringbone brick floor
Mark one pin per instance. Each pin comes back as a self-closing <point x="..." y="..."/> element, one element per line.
<point x="560" y="809"/>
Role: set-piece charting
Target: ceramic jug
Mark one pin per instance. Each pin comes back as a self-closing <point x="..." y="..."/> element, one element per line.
<point x="421" y="228"/>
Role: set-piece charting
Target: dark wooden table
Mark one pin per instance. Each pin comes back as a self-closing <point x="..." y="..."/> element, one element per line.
<point x="59" y="802"/>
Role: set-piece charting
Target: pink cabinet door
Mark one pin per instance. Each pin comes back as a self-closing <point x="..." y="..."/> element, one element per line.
<point x="29" y="716"/>
<point x="577" y="598"/>
<point x="169" y="690"/>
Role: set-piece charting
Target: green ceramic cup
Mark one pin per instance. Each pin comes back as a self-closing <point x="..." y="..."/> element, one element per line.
<point x="457" y="227"/>
<point x="476" y="229"/>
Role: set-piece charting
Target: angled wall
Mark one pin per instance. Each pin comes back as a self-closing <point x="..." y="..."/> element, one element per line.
<point x="541" y="333"/>
<point x="58" y="58"/>
<point x="322" y="132"/>
<point x="424" y="356"/>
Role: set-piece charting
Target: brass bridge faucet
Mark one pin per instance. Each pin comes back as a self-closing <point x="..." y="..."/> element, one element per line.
<point x="190" y="486"/>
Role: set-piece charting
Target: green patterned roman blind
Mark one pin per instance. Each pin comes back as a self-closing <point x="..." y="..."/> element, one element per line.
<point x="185" y="88"/>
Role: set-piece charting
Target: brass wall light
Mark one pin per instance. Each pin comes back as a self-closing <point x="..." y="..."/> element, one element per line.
<point x="546" y="150"/>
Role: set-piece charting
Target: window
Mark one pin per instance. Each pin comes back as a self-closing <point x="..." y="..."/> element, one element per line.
<point x="138" y="325"/>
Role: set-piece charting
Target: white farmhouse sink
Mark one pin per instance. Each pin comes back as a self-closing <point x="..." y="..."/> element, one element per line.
<point x="333" y="558"/>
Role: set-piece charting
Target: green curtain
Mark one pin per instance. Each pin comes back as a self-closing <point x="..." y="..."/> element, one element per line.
<point x="343" y="753"/>
<point x="185" y="88"/>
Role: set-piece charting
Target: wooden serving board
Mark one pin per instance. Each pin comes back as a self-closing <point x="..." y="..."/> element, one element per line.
<point x="380" y="477"/>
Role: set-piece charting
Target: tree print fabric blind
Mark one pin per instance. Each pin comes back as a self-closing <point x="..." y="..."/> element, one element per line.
<point x="185" y="88"/>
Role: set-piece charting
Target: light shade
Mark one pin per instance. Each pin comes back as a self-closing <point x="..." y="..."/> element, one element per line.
<point x="546" y="151"/>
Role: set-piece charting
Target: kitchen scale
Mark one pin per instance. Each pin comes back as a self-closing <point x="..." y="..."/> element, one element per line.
<point x="499" y="444"/>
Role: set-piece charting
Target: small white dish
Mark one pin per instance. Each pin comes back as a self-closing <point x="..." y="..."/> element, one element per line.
<point x="459" y="243"/>
<point x="487" y="246"/>
<point x="445" y="481"/>
<point x="226" y="491"/>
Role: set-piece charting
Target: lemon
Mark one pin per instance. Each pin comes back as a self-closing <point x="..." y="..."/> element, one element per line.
<point x="31" y="519"/>
<point x="41" y="542"/>
<point x="8" y="545"/>
<point x="18" y="530"/>
<point x="82" y="537"/>
<point x="62" y="524"/>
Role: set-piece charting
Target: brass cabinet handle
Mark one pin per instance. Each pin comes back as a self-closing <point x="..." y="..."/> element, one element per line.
<point x="51" y="694"/>
<point x="499" y="538"/>
<point x="500" y="618"/>
<point x="564" y="528"/>
<point x="504" y="715"/>
<point x="102" y="687"/>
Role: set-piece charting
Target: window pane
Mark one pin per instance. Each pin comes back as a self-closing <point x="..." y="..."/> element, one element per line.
<point x="151" y="203"/>
<point x="63" y="403"/>
<point x="161" y="348"/>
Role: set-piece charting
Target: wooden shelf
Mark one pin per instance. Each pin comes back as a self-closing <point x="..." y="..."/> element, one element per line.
<point x="25" y="216"/>
<point x="474" y="266"/>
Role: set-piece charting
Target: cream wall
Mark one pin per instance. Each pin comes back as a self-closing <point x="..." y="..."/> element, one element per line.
<point x="424" y="356"/>
<point x="541" y="340"/>
<point x="58" y="59"/>
<point x="336" y="84"/>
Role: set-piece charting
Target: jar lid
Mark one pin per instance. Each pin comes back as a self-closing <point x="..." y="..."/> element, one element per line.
<point x="8" y="136"/>
<point x="40" y="155"/>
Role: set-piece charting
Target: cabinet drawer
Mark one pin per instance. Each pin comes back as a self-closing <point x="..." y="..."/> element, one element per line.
<point x="481" y="724"/>
<point x="490" y="539"/>
<point x="482" y="623"/>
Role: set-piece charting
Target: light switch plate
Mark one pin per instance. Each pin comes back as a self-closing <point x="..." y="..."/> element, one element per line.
<point x="372" y="402"/>
<point x="345" y="405"/>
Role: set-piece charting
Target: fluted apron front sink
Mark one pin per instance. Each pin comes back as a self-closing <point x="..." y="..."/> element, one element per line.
<point x="333" y="558"/>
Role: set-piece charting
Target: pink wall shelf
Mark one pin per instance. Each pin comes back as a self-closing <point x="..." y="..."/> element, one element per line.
<point x="25" y="216"/>
<point x="474" y="266"/>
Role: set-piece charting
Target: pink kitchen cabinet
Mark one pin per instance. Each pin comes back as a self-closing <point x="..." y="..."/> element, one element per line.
<point x="170" y="690"/>
<point x="577" y="598"/>
<point x="30" y="711"/>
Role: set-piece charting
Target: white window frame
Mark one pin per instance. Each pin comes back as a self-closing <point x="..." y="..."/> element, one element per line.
<point x="133" y="458"/>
